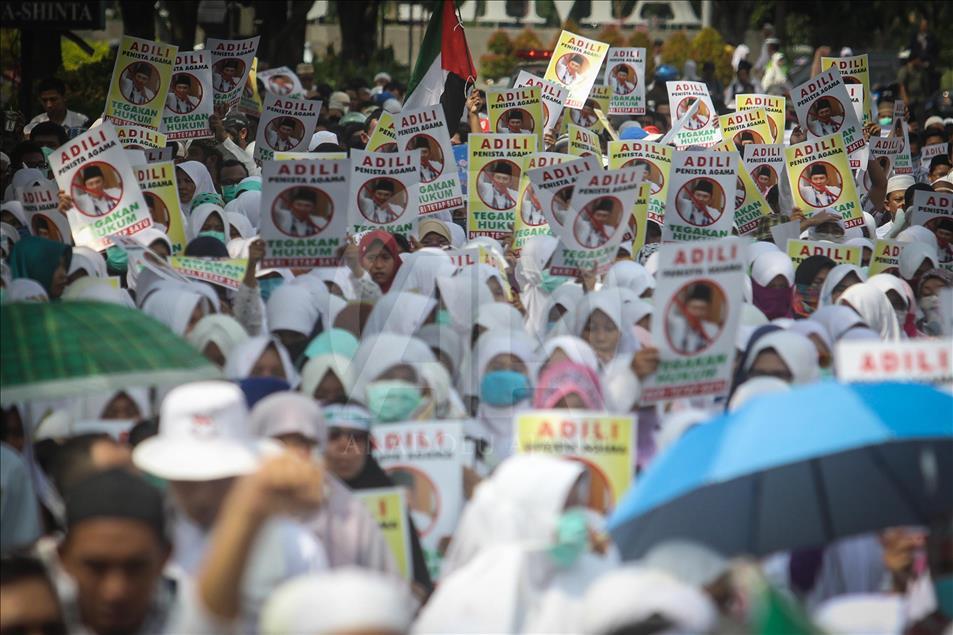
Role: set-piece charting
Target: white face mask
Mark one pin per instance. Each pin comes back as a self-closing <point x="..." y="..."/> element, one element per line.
<point x="930" y="303"/>
<point x="834" y="238"/>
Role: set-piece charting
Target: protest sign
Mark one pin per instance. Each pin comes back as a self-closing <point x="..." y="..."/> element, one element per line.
<point x="656" y="159"/>
<point x="553" y="186"/>
<point x="886" y="257"/>
<point x="516" y="111"/>
<point x="823" y="109"/>
<point x="900" y="129"/>
<point x="481" y="255"/>
<point x="750" y="204"/>
<point x="575" y="64"/>
<point x="250" y="101"/>
<point x="603" y="443"/>
<point x="638" y="223"/>
<point x="94" y="171"/>
<point x="301" y="156"/>
<point x="922" y="360"/>
<point x="799" y="250"/>
<point x="625" y="76"/>
<point x="531" y="221"/>
<point x="496" y="164"/>
<point x="461" y="158"/>
<point x="699" y="128"/>
<point x="884" y="150"/>
<point x="383" y="191"/>
<point x="821" y="179"/>
<point x="933" y="150"/>
<point x="281" y="82"/>
<point x="384" y="137"/>
<point x="388" y="506"/>
<point x="856" y="94"/>
<point x="702" y="195"/>
<point x="304" y="217"/>
<point x="231" y="64"/>
<point x="155" y="155"/>
<point x="598" y="218"/>
<point x="426" y="458"/>
<point x="189" y="102"/>
<point x="584" y="142"/>
<point x="552" y="97"/>
<point x="140" y="78"/>
<point x="588" y="115"/>
<point x="224" y="272"/>
<point x="746" y="127"/>
<point x="766" y="166"/>
<point x="139" y="138"/>
<point x="41" y="205"/>
<point x="159" y="189"/>
<point x="854" y="71"/>
<point x="426" y="130"/>
<point x="698" y="302"/>
<point x="286" y="126"/>
<point x="774" y="106"/>
<point x="934" y="210"/>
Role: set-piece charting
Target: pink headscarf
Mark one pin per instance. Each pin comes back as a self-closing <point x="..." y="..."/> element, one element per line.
<point x="565" y="378"/>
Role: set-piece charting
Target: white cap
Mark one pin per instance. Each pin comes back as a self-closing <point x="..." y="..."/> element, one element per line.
<point x="862" y="613"/>
<point x="382" y="77"/>
<point x="328" y="603"/>
<point x="322" y="136"/>
<point x="900" y="182"/>
<point x="203" y="435"/>
<point x="933" y="120"/>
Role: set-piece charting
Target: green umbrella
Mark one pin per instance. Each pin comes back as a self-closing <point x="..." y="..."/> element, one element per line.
<point x="61" y="349"/>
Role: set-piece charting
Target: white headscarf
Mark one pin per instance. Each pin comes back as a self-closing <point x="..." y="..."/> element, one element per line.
<point x="16" y="208"/>
<point x="837" y="319"/>
<point x="519" y="503"/>
<point x="240" y="223"/>
<point x="620" y="386"/>
<point x="918" y="234"/>
<point x="320" y="296"/>
<point x="630" y="275"/>
<point x="173" y="306"/>
<point x="873" y="306"/>
<point x="497" y="316"/>
<point x="611" y="303"/>
<point x="288" y="412"/>
<point x="770" y="264"/>
<point x="400" y="312"/>
<point x="291" y="308"/>
<point x="93" y="406"/>
<point x="462" y="294"/>
<point x="317" y="367"/>
<point x="224" y="330"/>
<point x="340" y="276"/>
<point x="445" y="339"/>
<point x="912" y="257"/>
<point x="574" y="348"/>
<point x="536" y="252"/>
<point x="834" y="277"/>
<point x="887" y="282"/>
<point x="447" y="403"/>
<point x="241" y="359"/>
<point x="379" y="353"/>
<point x="201" y="213"/>
<point x="26" y="290"/>
<point x="97" y="290"/>
<point x="247" y="203"/>
<point x="566" y="295"/>
<point x="419" y="271"/>
<point x="198" y="174"/>
<point x="796" y="351"/>
<point x="758" y="248"/>
<point x="756" y="387"/>
<point x="813" y="327"/>
<point x="89" y="260"/>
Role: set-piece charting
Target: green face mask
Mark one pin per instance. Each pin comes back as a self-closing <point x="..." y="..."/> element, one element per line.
<point x="117" y="259"/>
<point x="551" y="282"/>
<point x="219" y="235"/>
<point x="443" y="317"/>
<point x="392" y="400"/>
<point x="572" y="537"/>
<point x="229" y="192"/>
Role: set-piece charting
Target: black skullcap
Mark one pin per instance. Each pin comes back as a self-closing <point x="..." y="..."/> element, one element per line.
<point x="92" y="172"/>
<point x="182" y="80"/>
<point x="764" y="170"/>
<point x="383" y="184"/>
<point x="287" y="121"/>
<point x="592" y="103"/>
<point x="604" y="204"/>
<point x="230" y="63"/>
<point x="578" y="58"/>
<point x="817" y="168"/>
<point x="747" y="136"/>
<point x="940" y="159"/>
<point x="823" y="102"/>
<point x="141" y="68"/>
<point x="513" y="113"/>
<point x="502" y="167"/>
<point x="115" y="493"/>
<point x="704" y="185"/>
<point x="304" y="194"/>
<point x="622" y="68"/>
<point x="700" y="292"/>
<point x="420" y="141"/>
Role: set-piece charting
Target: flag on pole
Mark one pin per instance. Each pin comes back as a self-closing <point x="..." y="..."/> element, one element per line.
<point x="444" y="67"/>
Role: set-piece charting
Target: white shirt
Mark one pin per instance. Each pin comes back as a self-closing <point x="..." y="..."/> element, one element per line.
<point x="137" y="96"/>
<point x="496" y="199"/>
<point x="694" y="216"/>
<point x="286" y="222"/>
<point x="19" y="513"/>
<point x="281" y="145"/>
<point x="430" y="171"/>
<point x="532" y="215"/>
<point x="97" y="205"/>
<point x="563" y="74"/>
<point x="686" y="339"/>
<point x="180" y="106"/>
<point x="818" y="198"/>
<point x="378" y="214"/>
<point x="222" y="85"/>
<point x="820" y="129"/>
<point x="74" y="122"/>
<point x="621" y="88"/>
<point x="590" y="237"/>
<point x="582" y="120"/>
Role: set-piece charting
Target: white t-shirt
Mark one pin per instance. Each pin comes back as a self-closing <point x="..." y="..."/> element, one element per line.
<point x="74" y="122"/>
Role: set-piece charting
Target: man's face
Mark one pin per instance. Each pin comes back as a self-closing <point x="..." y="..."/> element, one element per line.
<point x="139" y="79"/>
<point x="382" y="197"/>
<point x="94" y="184"/>
<point x="201" y="500"/>
<point x="425" y="153"/>
<point x="182" y="91"/>
<point x="46" y="141"/>
<point x="502" y="181"/>
<point x="819" y="180"/>
<point x="601" y="216"/>
<point x="763" y="180"/>
<point x="284" y="131"/>
<point x="622" y="75"/>
<point x="743" y="75"/>
<point x="53" y="102"/>
<point x="232" y="175"/>
<point x="824" y="114"/>
<point x="697" y="308"/>
<point x="702" y="197"/>
<point x="228" y="72"/>
<point x="939" y="172"/>
<point x="515" y="124"/>
<point x="29" y="606"/>
<point x="573" y="66"/>
<point x="116" y="563"/>
<point x="587" y="111"/>
<point x="302" y="208"/>
<point x="944" y="235"/>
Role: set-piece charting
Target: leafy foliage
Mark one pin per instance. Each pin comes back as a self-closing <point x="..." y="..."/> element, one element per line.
<point x="642" y="39"/>
<point x="709" y="46"/>
<point x="677" y="49"/>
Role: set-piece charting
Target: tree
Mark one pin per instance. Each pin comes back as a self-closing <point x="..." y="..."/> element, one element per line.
<point x="282" y="29"/>
<point x="358" y="22"/>
<point x="138" y="18"/>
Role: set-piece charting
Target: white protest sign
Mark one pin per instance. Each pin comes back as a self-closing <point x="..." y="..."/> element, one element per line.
<point x="625" y="75"/>
<point x="884" y="150"/>
<point x="575" y="64"/>
<point x="286" y="126"/>
<point x="933" y="150"/>
<point x="701" y="192"/>
<point x="425" y="129"/>
<point x="656" y="159"/>
<point x="699" y="128"/>
<point x="552" y="96"/>
<point x="93" y="169"/>
<point x="383" y="191"/>
<point x="599" y="214"/>
<point x="824" y="108"/>
<point x="698" y="301"/>
<point x="282" y="82"/>
<point x="553" y="186"/>
<point x="41" y="205"/>
<point x="934" y="210"/>
<point x="766" y="165"/>
<point x="922" y="360"/>
<point x="231" y="63"/>
<point x="531" y="221"/>
<point x="140" y="78"/>
<point x="190" y="100"/>
<point x="140" y="138"/>
<point x="304" y="217"/>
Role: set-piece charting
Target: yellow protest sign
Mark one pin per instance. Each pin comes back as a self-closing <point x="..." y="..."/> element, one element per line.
<point x="157" y="181"/>
<point x="531" y="221"/>
<point x="388" y="507"/>
<point x="773" y="105"/>
<point x="496" y="164"/>
<point x="886" y="257"/>
<point x="384" y="137"/>
<point x="746" y="127"/>
<point x="584" y="142"/>
<point x="588" y="115"/>
<point x="853" y="70"/>
<point x="750" y="204"/>
<point x="575" y="63"/>
<point x="799" y="250"/>
<point x="639" y="218"/>
<point x="225" y="272"/>
<point x="139" y="83"/>
<point x="604" y="443"/>
<point x="516" y="111"/>
<point x="821" y="179"/>
<point x="657" y="159"/>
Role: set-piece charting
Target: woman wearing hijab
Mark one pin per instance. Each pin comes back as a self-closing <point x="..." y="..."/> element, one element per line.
<point x="131" y="404"/>
<point x="446" y="345"/>
<point x="209" y="219"/>
<point x="915" y="260"/>
<point x="348" y="456"/>
<point x="838" y="280"/>
<point x="790" y="357"/>
<point x="559" y="303"/>
<point x="567" y="348"/>
<point x="179" y="307"/>
<point x="192" y="178"/>
<point x="380" y="257"/>
<point x="928" y="298"/>
<point x="631" y="275"/>
<point x="901" y="298"/>
<point x="419" y="271"/>
<point x="808" y="280"/>
<point x="838" y="320"/>
<point x="497" y="317"/>
<point x="535" y="283"/>
<point x="400" y="312"/>
<point x="215" y="336"/>
<point x="261" y="356"/>
<point x="327" y="378"/>
<point x="872" y="305"/>
<point x="387" y="380"/>
<point x="569" y="385"/>
<point x="239" y="226"/>
<point x="44" y="261"/>
<point x="343" y="525"/>
<point x="293" y="318"/>
<point x="333" y="341"/>
<point x="815" y="331"/>
<point x="86" y="262"/>
<point x="599" y="321"/>
<point x="247" y="203"/>
<point x="772" y="284"/>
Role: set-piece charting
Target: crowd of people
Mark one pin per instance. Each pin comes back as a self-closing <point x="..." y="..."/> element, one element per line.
<point x="231" y="505"/>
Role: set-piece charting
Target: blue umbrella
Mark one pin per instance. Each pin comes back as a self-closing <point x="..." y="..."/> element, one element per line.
<point x="798" y="469"/>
